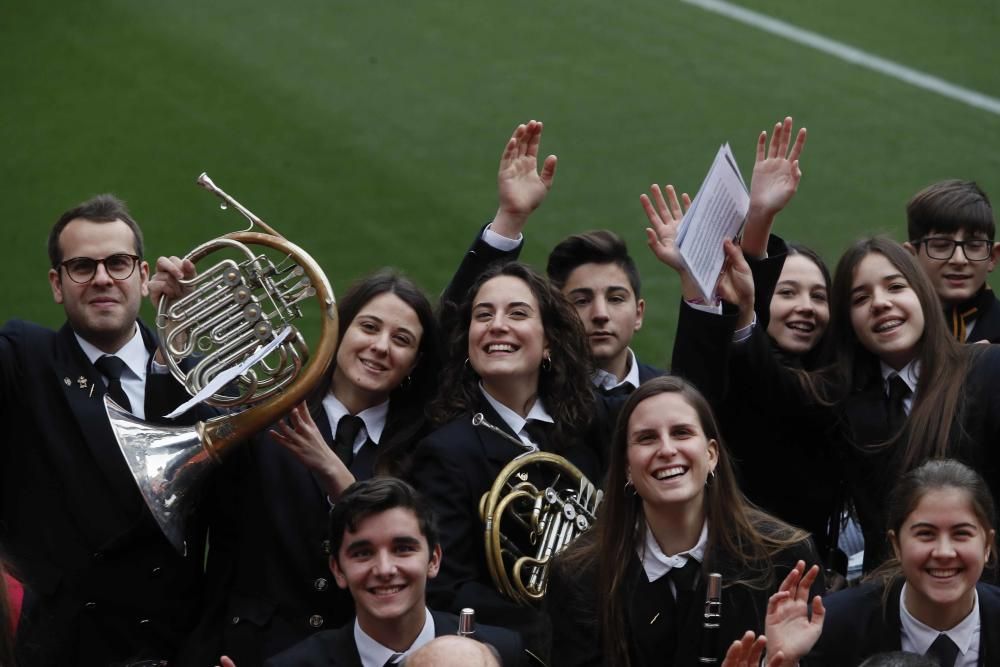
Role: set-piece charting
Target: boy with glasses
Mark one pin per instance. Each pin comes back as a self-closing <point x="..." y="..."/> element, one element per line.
<point x="951" y="229"/>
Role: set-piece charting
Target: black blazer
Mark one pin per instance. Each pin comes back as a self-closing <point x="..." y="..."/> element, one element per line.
<point x="109" y="586"/>
<point x="987" y="325"/>
<point x="337" y="648"/>
<point x="453" y="467"/>
<point x="577" y="637"/>
<point x="858" y="626"/>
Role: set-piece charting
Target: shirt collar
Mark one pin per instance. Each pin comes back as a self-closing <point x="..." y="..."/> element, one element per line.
<point x="910" y="374"/>
<point x="656" y="563"/>
<point x="605" y="380"/>
<point x="515" y="421"/>
<point x="373" y="417"/>
<point x="133" y="353"/>
<point x="374" y="654"/>
<point x="921" y="636"/>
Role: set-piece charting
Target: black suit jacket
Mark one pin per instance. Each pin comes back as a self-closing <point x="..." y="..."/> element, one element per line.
<point x="108" y="584"/>
<point x="336" y="648"/>
<point x="987" y="325"/>
<point x="453" y="467"/>
<point x="578" y="638"/>
<point x="857" y="625"/>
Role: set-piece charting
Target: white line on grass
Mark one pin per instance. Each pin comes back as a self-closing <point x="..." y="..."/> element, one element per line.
<point x="850" y="54"/>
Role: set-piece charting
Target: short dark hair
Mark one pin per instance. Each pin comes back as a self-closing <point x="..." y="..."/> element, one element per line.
<point x="101" y="208"/>
<point x="948" y="206"/>
<point x="374" y="496"/>
<point x="601" y="246"/>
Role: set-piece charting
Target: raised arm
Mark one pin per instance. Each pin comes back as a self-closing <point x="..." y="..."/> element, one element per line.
<point x="302" y="438"/>
<point x="521" y="187"/>
<point x="775" y="180"/>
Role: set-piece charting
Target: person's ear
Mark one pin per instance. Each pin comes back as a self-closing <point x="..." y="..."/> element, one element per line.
<point x="640" y="310"/>
<point x="338" y="574"/>
<point x="910" y="247"/>
<point x="144" y="279"/>
<point x="894" y="541"/>
<point x="994" y="256"/>
<point x="55" y="282"/>
<point x="434" y="565"/>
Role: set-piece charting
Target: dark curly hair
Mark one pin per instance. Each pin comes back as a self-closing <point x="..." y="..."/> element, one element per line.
<point x="564" y="388"/>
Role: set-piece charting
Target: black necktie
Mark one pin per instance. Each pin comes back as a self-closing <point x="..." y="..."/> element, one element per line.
<point x="395" y="658"/>
<point x="539" y="432"/>
<point x="899" y="391"/>
<point x="621" y="391"/>
<point x="112" y="367"/>
<point x="347" y="432"/>
<point x="685" y="580"/>
<point x="944" y="650"/>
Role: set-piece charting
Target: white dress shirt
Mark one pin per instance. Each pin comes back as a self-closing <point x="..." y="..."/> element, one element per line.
<point x="374" y="654"/>
<point x="516" y="422"/>
<point x="136" y="358"/>
<point x="917" y="637"/>
<point x="373" y="418"/>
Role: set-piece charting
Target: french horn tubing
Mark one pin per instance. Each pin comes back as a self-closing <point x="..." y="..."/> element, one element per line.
<point x="227" y="314"/>
<point x="538" y="504"/>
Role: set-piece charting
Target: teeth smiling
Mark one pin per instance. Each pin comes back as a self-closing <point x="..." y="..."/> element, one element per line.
<point x="387" y="590"/>
<point x="889" y="324"/>
<point x="372" y="365"/>
<point x="500" y="347"/>
<point x="670" y="472"/>
<point x="807" y="327"/>
<point x="942" y="574"/>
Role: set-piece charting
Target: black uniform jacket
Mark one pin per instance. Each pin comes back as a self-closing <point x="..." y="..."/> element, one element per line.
<point x="109" y="586"/>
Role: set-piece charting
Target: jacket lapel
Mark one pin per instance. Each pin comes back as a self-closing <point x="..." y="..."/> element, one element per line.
<point x="498" y="449"/>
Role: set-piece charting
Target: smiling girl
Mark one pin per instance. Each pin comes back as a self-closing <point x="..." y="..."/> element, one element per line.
<point x="631" y="591"/>
<point x="519" y="357"/>
<point x="928" y="599"/>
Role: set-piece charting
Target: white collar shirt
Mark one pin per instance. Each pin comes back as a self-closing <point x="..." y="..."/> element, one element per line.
<point x="910" y="374"/>
<point x="516" y="422"/>
<point x="373" y="418"/>
<point x="136" y="358"/>
<point x="607" y="381"/>
<point x="917" y="637"/>
<point x="374" y="654"/>
<point x="656" y="563"/>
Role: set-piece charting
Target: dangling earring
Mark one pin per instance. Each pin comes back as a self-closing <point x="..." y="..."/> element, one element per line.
<point x="629" y="486"/>
<point x="547" y="364"/>
<point x="405" y="384"/>
<point x="710" y="479"/>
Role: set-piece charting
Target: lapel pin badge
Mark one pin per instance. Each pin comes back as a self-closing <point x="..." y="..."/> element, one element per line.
<point x="82" y="381"/>
<point x="67" y="381"/>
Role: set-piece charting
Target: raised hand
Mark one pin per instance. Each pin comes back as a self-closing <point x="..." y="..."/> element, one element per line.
<point x="776" y="176"/>
<point x="302" y="438"/>
<point x="665" y="215"/>
<point x="745" y="652"/>
<point x="520" y="186"/>
<point x="166" y="281"/>
<point x="788" y="626"/>
<point x="226" y="662"/>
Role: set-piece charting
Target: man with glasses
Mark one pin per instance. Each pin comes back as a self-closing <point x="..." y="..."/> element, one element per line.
<point x="951" y="229"/>
<point x="110" y="588"/>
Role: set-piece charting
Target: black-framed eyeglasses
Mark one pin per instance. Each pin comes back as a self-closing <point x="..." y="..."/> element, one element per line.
<point x="942" y="247"/>
<point x="83" y="269"/>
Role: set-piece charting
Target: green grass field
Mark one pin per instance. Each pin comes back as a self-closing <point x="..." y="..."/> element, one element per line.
<point x="369" y="133"/>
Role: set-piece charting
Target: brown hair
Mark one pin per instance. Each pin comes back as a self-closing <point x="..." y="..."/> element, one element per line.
<point x="944" y="362"/>
<point x="101" y="208"/>
<point x="948" y="206"/>
<point x="740" y="536"/>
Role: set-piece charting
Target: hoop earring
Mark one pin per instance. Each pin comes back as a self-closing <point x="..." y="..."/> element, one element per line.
<point x="710" y="479"/>
<point x="629" y="485"/>
<point x="547" y="364"/>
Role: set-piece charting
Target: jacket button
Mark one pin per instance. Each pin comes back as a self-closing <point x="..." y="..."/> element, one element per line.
<point x="90" y="605"/>
<point x="327" y="547"/>
<point x="144" y="621"/>
<point x="155" y="572"/>
<point x="98" y="555"/>
<point x="236" y="620"/>
<point x="320" y="584"/>
<point x="316" y="621"/>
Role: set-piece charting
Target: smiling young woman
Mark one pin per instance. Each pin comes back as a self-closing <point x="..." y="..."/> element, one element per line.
<point x="942" y="529"/>
<point x="630" y="592"/>
<point x="519" y="357"/>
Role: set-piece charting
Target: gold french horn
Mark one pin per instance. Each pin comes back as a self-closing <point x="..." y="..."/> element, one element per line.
<point x="233" y="327"/>
<point x="538" y="504"/>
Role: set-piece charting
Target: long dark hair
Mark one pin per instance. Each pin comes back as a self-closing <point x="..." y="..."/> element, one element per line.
<point x="564" y="388"/>
<point x="408" y="400"/>
<point x="935" y="475"/>
<point x="944" y="362"/>
<point x="741" y="538"/>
